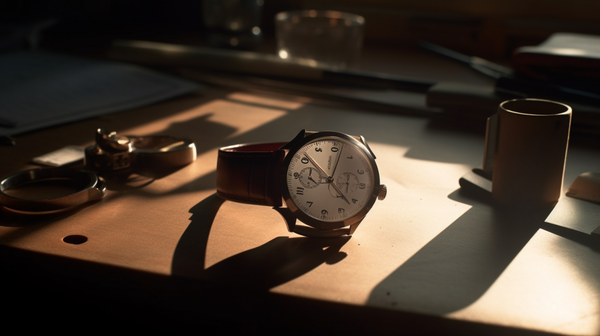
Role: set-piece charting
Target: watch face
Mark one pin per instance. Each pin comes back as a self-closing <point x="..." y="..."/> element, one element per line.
<point x="330" y="181"/>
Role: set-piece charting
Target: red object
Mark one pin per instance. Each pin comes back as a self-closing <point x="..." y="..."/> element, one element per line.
<point x="576" y="56"/>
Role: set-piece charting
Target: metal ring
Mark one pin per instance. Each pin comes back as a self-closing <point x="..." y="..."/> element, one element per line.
<point x="92" y="187"/>
<point x="162" y="152"/>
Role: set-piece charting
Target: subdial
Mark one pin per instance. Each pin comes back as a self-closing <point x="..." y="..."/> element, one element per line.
<point x="310" y="177"/>
<point x="347" y="182"/>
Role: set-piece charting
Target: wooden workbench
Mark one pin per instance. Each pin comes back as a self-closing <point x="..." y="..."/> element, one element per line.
<point x="167" y="253"/>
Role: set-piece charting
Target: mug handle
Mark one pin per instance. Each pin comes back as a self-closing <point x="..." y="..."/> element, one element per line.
<point x="491" y="141"/>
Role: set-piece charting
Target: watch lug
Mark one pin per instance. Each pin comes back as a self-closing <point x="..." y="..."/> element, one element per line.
<point x="288" y="216"/>
<point x="297" y="138"/>
<point x="354" y="226"/>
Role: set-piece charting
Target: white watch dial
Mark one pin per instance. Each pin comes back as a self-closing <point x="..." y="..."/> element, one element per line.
<point x="330" y="179"/>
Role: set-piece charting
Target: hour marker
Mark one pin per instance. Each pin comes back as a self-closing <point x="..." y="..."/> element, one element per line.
<point x="299" y="191"/>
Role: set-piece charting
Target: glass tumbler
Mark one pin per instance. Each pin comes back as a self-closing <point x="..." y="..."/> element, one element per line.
<point x="320" y="37"/>
<point x="233" y="23"/>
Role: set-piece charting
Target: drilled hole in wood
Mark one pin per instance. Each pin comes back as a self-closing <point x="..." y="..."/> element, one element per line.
<point x="75" y="239"/>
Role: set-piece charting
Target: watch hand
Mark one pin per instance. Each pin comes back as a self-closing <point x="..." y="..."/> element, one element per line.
<point x="347" y="182"/>
<point x="319" y="168"/>
<point x="337" y="160"/>
<point x="310" y="177"/>
<point x="340" y="192"/>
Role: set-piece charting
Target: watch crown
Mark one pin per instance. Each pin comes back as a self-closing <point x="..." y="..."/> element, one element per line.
<point x="382" y="192"/>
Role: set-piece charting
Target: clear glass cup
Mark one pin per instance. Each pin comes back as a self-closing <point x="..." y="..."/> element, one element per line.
<point x="233" y="23"/>
<point x="328" y="38"/>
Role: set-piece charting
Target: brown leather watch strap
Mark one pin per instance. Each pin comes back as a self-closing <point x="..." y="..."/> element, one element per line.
<point x="248" y="173"/>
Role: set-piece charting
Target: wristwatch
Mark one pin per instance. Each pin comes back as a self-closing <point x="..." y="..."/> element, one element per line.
<point x="326" y="180"/>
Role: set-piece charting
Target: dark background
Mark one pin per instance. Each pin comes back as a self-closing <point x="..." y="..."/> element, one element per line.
<point x="490" y="29"/>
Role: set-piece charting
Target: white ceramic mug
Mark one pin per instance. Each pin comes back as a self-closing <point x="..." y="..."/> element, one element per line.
<point x="526" y="151"/>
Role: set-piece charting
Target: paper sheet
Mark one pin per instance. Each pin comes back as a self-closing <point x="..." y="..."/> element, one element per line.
<point x="40" y="89"/>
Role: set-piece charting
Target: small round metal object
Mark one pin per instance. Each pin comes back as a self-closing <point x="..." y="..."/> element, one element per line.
<point x="89" y="187"/>
<point x="113" y="152"/>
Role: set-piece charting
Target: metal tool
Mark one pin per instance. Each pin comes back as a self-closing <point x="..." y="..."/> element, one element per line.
<point x="508" y="80"/>
<point x="114" y="152"/>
